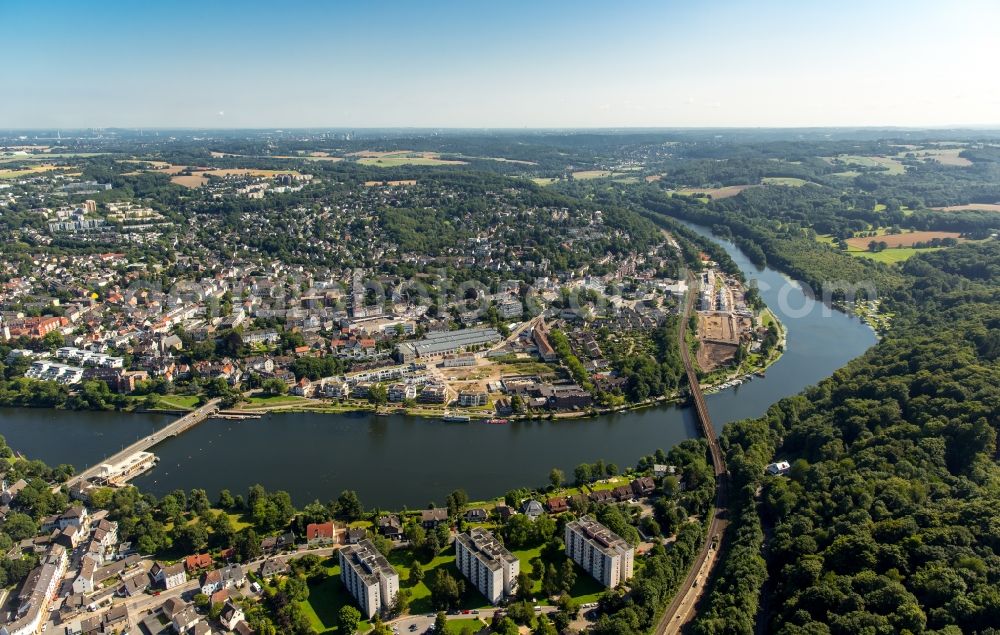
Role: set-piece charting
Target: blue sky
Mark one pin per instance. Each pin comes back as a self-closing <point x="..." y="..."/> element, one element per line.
<point x="499" y="64"/>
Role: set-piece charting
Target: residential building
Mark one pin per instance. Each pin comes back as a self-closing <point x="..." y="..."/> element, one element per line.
<point x="402" y="392"/>
<point x="602" y="553"/>
<point x="169" y="576"/>
<point x="778" y="468"/>
<point x="643" y="486"/>
<point x="368" y="577"/>
<point x="185" y="620"/>
<point x="487" y="564"/>
<point x="225" y="578"/>
<point x="390" y="526"/>
<point x="532" y="509"/>
<point x="557" y="505"/>
<point x="38" y="590"/>
<point x="431" y="518"/>
<point x="84" y="581"/>
<point x="231" y="615"/>
<point x="320" y="533"/>
<point x="472" y="398"/>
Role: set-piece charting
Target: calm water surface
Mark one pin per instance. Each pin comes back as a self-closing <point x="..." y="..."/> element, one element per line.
<point x="395" y="461"/>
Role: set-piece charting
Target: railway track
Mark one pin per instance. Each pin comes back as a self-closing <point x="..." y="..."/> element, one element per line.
<point x="684" y="606"/>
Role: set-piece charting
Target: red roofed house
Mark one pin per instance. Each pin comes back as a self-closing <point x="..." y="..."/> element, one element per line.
<point x="197" y="561"/>
<point x="320" y="533"/>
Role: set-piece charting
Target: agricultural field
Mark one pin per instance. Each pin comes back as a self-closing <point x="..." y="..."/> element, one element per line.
<point x="713" y="192"/>
<point x="31" y="171"/>
<point x="787" y="181"/>
<point x="985" y="207"/>
<point x="396" y="158"/>
<point x="901" y="240"/>
<point x="543" y="181"/>
<point x="586" y="175"/>
<point x="858" y="247"/>
<point x="892" y="165"/>
<point x="944" y="156"/>
<point x="46" y="156"/>
<point x="892" y="256"/>
<point x="200" y="177"/>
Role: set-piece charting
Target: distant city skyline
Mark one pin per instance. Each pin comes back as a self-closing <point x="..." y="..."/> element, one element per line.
<point x="452" y="64"/>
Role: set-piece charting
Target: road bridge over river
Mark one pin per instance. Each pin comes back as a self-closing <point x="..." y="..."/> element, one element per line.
<point x="172" y="429"/>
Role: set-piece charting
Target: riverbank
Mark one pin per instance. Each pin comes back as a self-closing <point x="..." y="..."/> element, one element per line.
<point x="316" y="455"/>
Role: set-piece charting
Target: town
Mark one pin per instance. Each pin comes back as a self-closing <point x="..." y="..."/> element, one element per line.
<point x="497" y="324"/>
<point x="549" y="556"/>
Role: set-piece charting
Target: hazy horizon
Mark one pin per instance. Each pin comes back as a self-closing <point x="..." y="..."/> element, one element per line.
<point x="458" y="65"/>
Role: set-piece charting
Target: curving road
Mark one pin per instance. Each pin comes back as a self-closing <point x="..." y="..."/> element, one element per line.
<point x="683" y="609"/>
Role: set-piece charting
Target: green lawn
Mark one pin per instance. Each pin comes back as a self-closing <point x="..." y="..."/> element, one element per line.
<point x="585" y="588"/>
<point x="277" y="400"/>
<point x="328" y="596"/>
<point x="420" y="598"/>
<point x="178" y="402"/>
<point x="455" y="627"/>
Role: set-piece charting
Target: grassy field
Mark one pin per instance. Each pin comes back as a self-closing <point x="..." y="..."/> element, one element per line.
<point x="787" y="181"/>
<point x="887" y="256"/>
<point x="178" y="402"/>
<point x="907" y="239"/>
<point x="944" y="156"/>
<point x="543" y="181"/>
<point x="456" y="627"/>
<point x="33" y="170"/>
<point x="894" y="255"/>
<point x="48" y="156"/>
<point x="396" y="162"/>
<point x="397" y="158"/>
<point x="586" y="175"/>
<point x="258" y="401"/>
<point x="986" y="207"/>
<point x="325" y="601"/>
<point x="892" y="165"/>
<point x="585" y="588"/>
<point x="713" y="192"/>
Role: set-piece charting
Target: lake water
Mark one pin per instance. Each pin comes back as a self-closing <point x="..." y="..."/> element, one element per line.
<point x="396" y="461"/>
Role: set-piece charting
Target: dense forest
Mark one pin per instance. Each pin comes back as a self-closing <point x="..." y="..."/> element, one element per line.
<point x="887" y="521"/>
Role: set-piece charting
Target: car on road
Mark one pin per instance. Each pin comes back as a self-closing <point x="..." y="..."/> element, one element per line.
<point x="413" y="627"/>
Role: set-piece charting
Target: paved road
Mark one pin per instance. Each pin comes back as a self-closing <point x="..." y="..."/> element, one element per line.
<point x="189" y="420"/>
<point x="683" y="608"/>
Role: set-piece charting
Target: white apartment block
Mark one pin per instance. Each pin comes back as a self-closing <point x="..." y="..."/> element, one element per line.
<point x="487" y="564"/>
<point x="369" y="577"/>
<point x="601" y="552"/>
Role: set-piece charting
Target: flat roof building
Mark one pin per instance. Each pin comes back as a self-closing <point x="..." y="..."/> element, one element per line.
<point x="485" y="562"/>
<point x="368" y="577"/>
<point x="602" y="553"/>
<point x="444" y="343"/>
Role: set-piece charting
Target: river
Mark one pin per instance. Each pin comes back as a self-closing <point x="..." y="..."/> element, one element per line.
<point x="396" y="461"/>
